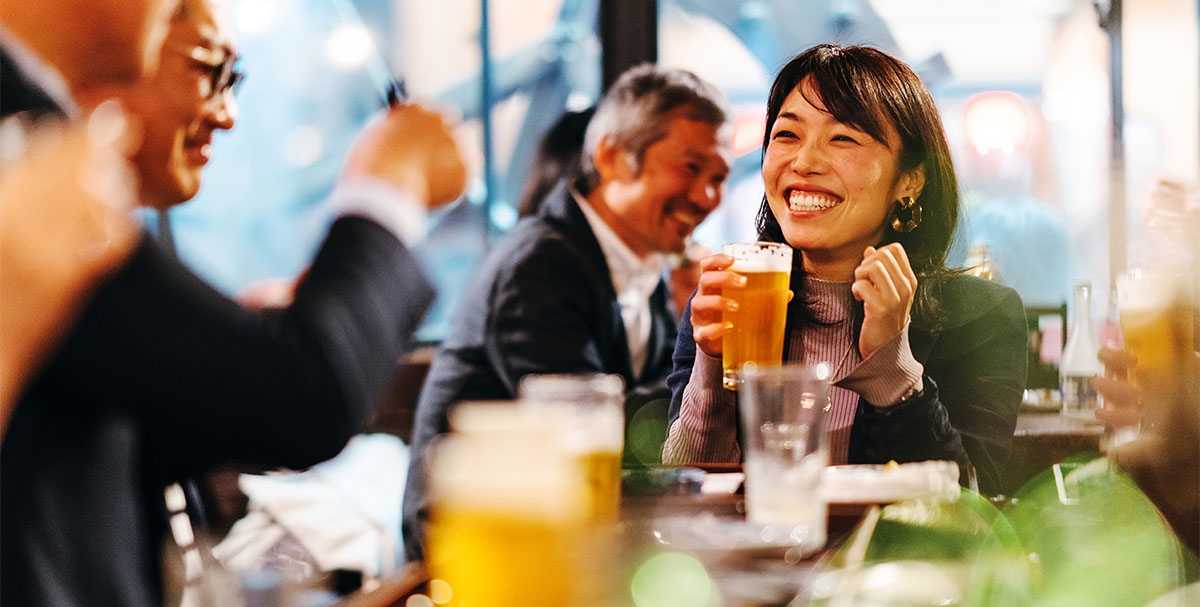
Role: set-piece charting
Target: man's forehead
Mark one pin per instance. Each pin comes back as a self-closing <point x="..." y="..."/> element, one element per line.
<point x="206" y="22"/>
<point x="701" y="141"/>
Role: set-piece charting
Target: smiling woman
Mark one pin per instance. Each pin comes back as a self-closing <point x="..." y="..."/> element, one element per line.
<point x="929" y="364"/>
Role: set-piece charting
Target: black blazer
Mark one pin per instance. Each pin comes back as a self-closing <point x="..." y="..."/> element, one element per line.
<point x="541" y="302"/>
<point x="163" y="378"/>
<point x="974" y="355"/>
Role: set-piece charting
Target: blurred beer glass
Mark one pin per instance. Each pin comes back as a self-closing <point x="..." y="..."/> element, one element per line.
<point x="783" y="411"/>
<point x="756" y="335"/>
<point x="1156" y="321"/>
<point x="508" y="510"/>
<point x="590" y="411"/>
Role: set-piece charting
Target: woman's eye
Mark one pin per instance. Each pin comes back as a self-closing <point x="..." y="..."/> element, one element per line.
<point x="845" y="138"/>
<point x="783" y="135"/>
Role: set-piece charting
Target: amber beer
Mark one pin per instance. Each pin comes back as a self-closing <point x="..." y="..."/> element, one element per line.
<point x="589" y="409"/>
<point x="756" y="335"/>
<point x="1156" y="320"/>
<point x="508" y="522"/>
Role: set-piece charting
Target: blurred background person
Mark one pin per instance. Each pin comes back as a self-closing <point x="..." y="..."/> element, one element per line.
<point x="579" y="286"/>
<point x="1163" y="456"/>
<point x="1156" y="415"/>
<point x="557" y="159"/>
<point x="163" y="377"/>
<point x="1022" y="238"/>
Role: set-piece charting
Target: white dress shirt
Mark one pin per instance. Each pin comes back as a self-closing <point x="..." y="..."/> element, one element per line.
<point x="634" y="279"/>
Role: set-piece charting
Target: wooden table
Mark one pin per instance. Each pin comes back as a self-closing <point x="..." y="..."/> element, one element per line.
<point x="1043" y="439"/>
<point x="744" y="578"/>
<point x="764" y="577"/>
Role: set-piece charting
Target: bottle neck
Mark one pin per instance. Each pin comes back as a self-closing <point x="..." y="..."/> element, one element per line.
<point x="1083" y="308"/>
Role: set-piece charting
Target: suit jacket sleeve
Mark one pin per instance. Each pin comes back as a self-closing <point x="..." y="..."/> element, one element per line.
<point x="214" y="382"/>
<point x="974" y="380"/>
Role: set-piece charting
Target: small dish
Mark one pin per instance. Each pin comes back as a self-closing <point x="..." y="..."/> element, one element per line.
<point x="1042" y="401"/>
<point x="887" y="483"/>
<point x="719" y="536"/>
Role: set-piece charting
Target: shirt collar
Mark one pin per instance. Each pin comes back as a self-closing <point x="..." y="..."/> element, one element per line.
<point x="628" y="271"/>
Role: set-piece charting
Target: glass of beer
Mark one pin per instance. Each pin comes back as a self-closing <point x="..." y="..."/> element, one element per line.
<point x="756" y="335"/>
<point x="1156" y="321"/>
<point x="590" y="410"/>
<point x="508" y="517"/>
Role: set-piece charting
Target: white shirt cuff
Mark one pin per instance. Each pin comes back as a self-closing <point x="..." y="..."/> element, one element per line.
<point x="394" y="209"/>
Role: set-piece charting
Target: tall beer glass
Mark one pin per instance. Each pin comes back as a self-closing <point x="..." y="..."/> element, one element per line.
<point x="591" y="407"/>
<point x="1156" y="321"/>
<point x="757" y="325"/>
<point x="509" y="511"/>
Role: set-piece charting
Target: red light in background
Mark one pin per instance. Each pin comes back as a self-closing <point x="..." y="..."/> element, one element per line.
<point x="996" y="121"/>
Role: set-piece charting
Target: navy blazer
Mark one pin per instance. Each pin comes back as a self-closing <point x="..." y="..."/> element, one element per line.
<point x="163" y="378"/>
<point x="974" y="353"/>
<point x="542" y="301"/>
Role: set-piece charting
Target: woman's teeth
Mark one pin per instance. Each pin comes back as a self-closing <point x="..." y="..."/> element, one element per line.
<point x="800" y="201"/>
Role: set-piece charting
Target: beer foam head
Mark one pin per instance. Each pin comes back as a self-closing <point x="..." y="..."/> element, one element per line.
<point x="759" y="256"/>
<point x="1141" y="290"/>
<point x="760" y="265"/>
<point x="501" y="418"/>
<point x="506" y="475"/>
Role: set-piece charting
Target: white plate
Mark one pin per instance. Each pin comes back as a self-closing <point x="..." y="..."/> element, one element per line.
<point x="882" y="484"/>
<point x="711" y="534"/>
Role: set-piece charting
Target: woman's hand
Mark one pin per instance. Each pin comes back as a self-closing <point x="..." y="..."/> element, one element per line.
<point x="708" y="326"/>
<point x="885" y="283"/>
<point x="1122" y="400"/>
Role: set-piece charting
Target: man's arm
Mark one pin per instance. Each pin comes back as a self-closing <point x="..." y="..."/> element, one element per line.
<point x="215" y="382"/>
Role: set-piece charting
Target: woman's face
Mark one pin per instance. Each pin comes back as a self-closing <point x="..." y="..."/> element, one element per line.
<point x="830" y="185"/>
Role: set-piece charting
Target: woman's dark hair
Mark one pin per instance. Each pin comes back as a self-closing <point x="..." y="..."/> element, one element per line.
<point x="869" y="90"/>
<point x="557" y="159"/>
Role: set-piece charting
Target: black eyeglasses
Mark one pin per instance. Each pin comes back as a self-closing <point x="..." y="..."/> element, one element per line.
<point x="225" y="75"/>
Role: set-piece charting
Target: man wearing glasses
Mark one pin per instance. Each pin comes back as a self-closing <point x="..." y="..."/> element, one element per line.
<point x="162" y="377"/>
<point x="181" y="105"/>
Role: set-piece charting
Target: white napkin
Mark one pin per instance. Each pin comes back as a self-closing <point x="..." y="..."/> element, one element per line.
<point x="345" y="512"/>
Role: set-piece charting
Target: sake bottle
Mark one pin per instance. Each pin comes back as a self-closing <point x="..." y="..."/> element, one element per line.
<point x="1079" y="360"/>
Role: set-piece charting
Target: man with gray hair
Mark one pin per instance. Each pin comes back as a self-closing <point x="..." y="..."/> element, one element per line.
<point x="579" y="287"/>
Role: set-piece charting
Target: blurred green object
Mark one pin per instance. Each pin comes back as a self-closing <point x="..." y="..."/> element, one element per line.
<point x="918" y="552"/>
<point x="1091" y="537"/>
<point x="1081" y="533"/>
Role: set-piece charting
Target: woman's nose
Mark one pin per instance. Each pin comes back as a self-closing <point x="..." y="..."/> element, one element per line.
<point x="808" y="158"/>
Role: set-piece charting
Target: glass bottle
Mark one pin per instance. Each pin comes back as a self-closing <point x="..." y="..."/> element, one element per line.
<point x="1079" y="360"/>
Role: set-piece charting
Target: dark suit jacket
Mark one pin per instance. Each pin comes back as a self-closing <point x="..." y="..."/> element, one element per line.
<point x="163" y="378"/>
<point x="974" y="358"/>
<point x="541" y="302"/>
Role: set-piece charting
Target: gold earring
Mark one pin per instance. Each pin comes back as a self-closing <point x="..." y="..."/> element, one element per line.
<point x="906" y="205"/>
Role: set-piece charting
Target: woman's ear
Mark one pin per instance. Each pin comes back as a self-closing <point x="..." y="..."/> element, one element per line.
<point x="911" y="183"/>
